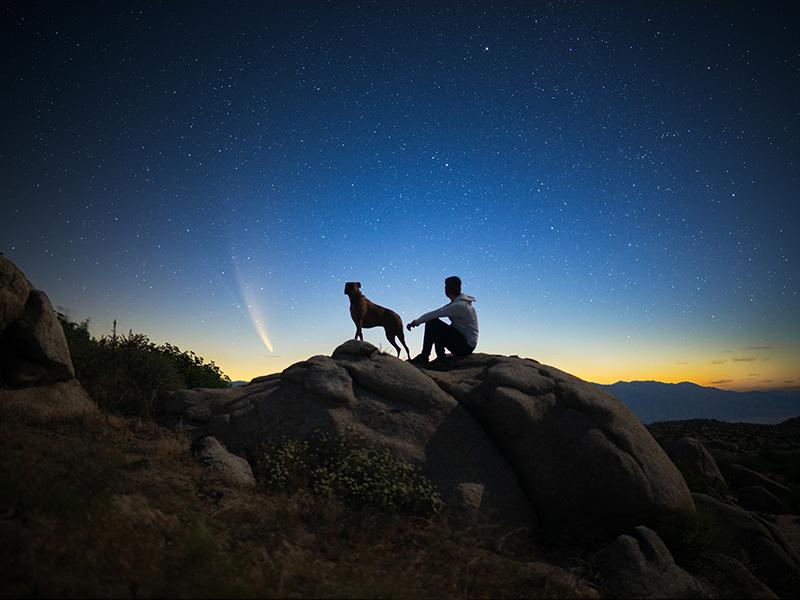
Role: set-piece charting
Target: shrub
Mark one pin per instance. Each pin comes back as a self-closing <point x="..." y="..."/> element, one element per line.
<point x="349" y="469"/>
<point x="127" y="373"/>
<point x="693" y="536"/>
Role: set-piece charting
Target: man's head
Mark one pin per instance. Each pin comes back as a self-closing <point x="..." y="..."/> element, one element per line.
<point x="452" y="287"/>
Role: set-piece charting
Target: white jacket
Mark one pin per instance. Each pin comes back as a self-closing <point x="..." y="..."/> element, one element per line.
<point x="462" y="316"/>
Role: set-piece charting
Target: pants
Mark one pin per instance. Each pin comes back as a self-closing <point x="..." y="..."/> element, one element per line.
<point x="442" y="336"/>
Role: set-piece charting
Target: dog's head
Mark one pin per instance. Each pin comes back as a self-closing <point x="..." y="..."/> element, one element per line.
<point x="352" y="287"/>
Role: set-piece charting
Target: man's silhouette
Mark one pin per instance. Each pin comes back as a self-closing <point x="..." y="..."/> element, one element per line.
<point x="461" y="337"/>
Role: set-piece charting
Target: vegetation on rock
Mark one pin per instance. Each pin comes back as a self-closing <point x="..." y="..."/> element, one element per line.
<point x="347" y="468"/>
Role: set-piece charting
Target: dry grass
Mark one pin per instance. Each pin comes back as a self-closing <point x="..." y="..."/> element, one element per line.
<point x="106" y="506"/>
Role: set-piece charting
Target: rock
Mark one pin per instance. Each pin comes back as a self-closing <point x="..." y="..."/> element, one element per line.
<point x="752" y="540"/>
<point x="14" y="291"/>
<point x="581" y="456"/>
<point x="36" y="336"/>
<point x="321" y="376"/>
<point x="19" y="372"/>
<point x="398" y="381"/>
<point x="198" y="401"/>
<point x="696" y="463"/>
<point x="221" y="464"/>
<point x="56" y="401"/>
<point x="34" y="355"/>
<point x="388" y="403"/>
<point x="729" y="578"/>
<point x="755" y="497"/>
<point x="740" y="476"/>
<point x="640" y="566"/>
<point x="353" y="348"/>
<point x="503" y="438"/>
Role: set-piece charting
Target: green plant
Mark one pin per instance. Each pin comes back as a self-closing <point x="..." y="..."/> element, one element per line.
<point x="348" y="468"/>
<point x="127" y="373"/>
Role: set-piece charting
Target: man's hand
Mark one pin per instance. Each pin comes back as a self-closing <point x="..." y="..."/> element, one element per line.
<point x="412" y="324"/>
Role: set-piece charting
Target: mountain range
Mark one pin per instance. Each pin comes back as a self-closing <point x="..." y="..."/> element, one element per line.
<point x="653" y="401"/>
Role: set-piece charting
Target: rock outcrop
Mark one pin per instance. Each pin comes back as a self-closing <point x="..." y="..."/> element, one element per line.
<point x="752" y="540"/>
<point x="582" y="457"/>
<point x="696" y="462"/>
<point x="503" y="438"/>
<point x="33" y="349"/>
<point x="36" y="345"/>
<point x="639" y="565"/>
<point x="388" y="402"/>
<point x="742" y="476"/>
<point x="36" y="373"/>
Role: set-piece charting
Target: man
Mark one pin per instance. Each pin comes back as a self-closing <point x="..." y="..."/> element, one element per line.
<point x="461" y="337"/>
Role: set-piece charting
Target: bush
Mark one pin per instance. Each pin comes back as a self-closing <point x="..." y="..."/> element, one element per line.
<point x="127" y="373"/>
<point x="347" y="468"/>
<point x="693" y="536"/>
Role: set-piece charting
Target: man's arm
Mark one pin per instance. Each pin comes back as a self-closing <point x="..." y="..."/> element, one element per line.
<point x="444" y="311"/>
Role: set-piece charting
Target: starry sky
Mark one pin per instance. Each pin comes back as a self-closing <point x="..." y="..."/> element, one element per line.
<point x="616" y="183"/>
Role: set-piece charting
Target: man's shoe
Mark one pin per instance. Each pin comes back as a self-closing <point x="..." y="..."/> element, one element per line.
<point x="419" y="359"/>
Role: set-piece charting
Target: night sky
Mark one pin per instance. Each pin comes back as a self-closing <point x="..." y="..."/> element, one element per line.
<point x="616" y="183"/>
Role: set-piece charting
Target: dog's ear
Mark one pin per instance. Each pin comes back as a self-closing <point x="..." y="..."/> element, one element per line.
<point x="358" y="284"/>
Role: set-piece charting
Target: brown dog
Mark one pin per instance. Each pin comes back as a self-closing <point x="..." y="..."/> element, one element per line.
<point x="368" y="314"/>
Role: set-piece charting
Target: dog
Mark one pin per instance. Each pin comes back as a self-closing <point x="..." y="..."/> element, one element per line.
<point x="367" y="314"/>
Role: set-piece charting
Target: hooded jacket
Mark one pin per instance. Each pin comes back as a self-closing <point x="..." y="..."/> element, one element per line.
<point x="462" y="316"/>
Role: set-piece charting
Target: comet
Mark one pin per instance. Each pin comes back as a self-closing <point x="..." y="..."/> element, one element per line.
<point x="254" y="311"/>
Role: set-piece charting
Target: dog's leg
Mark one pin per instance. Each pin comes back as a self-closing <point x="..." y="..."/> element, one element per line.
<point x="390" y="336"/>
<point x="359" y="333"/>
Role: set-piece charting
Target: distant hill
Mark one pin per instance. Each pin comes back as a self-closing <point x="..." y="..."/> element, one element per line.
<point x="655" y="401"/>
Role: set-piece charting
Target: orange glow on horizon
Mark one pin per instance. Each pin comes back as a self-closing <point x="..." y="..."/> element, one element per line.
<point x="732" y="375"/>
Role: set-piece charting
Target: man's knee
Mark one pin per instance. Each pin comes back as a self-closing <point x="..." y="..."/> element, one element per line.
<point x="435" y="324"/>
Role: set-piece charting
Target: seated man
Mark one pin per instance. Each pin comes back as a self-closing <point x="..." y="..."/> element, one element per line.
<point x="461" y="337"/>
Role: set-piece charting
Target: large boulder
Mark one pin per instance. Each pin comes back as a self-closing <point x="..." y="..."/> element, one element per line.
<point x="388" y="403"/>
<point x="36" y="348"/>
<point x="582" y="457"/>
<point x="503" y="438"/>
<point x="14" y="291"/>
<point x="34" y="356"/>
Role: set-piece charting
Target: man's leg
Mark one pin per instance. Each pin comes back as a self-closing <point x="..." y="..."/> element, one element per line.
<point x="454" y="341"/>
<point x="442" y="336"/>
<point x="435" y="332"/>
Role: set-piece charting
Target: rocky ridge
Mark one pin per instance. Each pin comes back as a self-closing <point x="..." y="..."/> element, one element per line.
<point x="502" y="437"/>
